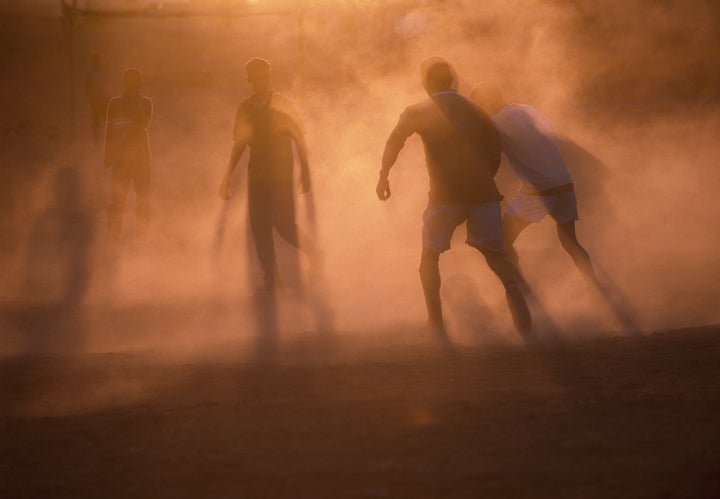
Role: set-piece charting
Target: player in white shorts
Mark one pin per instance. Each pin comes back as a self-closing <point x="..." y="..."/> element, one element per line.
<point x="547" y="188"/>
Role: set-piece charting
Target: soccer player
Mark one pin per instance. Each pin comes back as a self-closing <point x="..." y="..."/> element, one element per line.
<point x="127" y="151"/>
<point x="547" y="187"/>
<point x="267" y="123"/>
<point x="462" y="150"/>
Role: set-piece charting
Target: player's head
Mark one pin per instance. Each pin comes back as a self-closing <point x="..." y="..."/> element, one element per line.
<point x="436" y="75"/>
<point x="487" y="97"/>
<point x="132" y="80"/>
<point x="258" y="74"/>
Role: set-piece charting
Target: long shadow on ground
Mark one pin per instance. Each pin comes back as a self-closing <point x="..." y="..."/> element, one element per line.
<point x="621" y="417"/>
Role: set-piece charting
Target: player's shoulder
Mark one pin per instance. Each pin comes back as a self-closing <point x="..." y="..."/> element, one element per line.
<point x="529" y="113"/>
<point x="422" y="106"/>
<point x="280" y="100"/>
<point x="114" y="102"/>
<point x="244" y="107"/>
<point x="147" y="102"/>
<point x="247" y="101"/>
<point x="515" y="113"/>
<point x="418" y="109"/>
<point x="284" y="107"/>
<point x="520" y="110"/>
<point x="282" y="104"/>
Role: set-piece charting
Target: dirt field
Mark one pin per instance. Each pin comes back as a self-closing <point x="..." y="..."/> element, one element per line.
<point x="183" y="408"/>
<point x="609" y="417"/>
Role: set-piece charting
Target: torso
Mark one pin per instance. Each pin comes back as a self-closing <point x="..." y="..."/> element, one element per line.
<point x="266" y="127"/>
<point x="456" y="138"/>
<point x="530" y="148"/>
<point x="128" y="116"/>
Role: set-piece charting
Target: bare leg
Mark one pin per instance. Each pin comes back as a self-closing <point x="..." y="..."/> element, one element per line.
<point x="580" y="257"/>
<point x="512" y="227"/>
<point x="285" y="222"/>
<point x="121" y="176"/>
<point x="430" y="278"/>
<point x="260" y="212"/>
<point x="509" y="276"/>
<point x="568" y="239"/>
<point x="141" y="180"/>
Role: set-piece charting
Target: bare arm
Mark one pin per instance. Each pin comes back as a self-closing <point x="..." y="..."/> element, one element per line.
<point x="235" y="155"/>
<point x="146" y="115"/>
<point x="393" y="146"/>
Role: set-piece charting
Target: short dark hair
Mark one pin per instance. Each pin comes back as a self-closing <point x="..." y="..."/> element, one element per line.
<point x="132" y="75"/>
<point x="256" y="65"/>
<point x="436" y="74"/>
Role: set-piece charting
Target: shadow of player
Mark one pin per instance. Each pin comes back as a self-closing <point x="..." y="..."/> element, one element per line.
<point x="467" y="313"/>
<point x="57" y="271"/>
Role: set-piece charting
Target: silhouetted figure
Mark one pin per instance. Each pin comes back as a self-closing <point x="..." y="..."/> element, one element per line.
<point x="462" y="149"/>
<point x="127" y="152"/>
<point x="97" y="96"/>
<point x="547" y="188"/>
<point x="57" y="269"/>
<point x="267" y="123"/>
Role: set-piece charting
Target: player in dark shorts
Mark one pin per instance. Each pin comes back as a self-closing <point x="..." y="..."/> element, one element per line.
<point x="127" y="152"/>
<point x="268" y="124"/>
<point x="462" y="149"/>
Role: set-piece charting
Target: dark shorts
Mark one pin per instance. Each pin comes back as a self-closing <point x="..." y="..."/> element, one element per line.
<point x="483" y="223"/>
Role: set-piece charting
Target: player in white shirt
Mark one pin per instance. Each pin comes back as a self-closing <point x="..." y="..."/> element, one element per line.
<point x="547" y="188"/>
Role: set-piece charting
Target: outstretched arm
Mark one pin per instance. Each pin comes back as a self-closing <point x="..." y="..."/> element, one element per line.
<point x="235" y="155"/>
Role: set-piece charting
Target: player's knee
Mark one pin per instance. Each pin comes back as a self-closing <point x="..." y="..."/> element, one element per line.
<point x="494" y="259"/>
<point x="489" y="254"/>
<point x="501" y="265"/>
<point x="569" y="242"/>
<point x="566" y="233"/>
<point x="428" y="261"/>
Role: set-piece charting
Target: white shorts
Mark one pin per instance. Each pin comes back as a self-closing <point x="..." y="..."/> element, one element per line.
<point x="484" y="225"/>
<point x="533" y="208"/>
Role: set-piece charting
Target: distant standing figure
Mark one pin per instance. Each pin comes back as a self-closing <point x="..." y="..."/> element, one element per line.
<point x="127" y="152"/>
<point x="97" y="96"/>
<point x="547" y="187"/>
<point x="462" y="149"/>
<point x="268" y="124"/>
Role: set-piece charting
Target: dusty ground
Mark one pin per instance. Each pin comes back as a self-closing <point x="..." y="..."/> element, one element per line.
<point x="608" y="417"/>
<point x="369" y="414"/>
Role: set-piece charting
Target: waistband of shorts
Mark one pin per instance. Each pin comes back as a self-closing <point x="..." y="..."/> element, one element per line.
<point x="553" y="191"/>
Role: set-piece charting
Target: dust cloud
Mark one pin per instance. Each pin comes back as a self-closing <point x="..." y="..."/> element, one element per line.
<point x="630" y="87"/>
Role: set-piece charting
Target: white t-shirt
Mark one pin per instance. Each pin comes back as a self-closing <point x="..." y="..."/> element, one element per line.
<point x="528" y="145"/>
